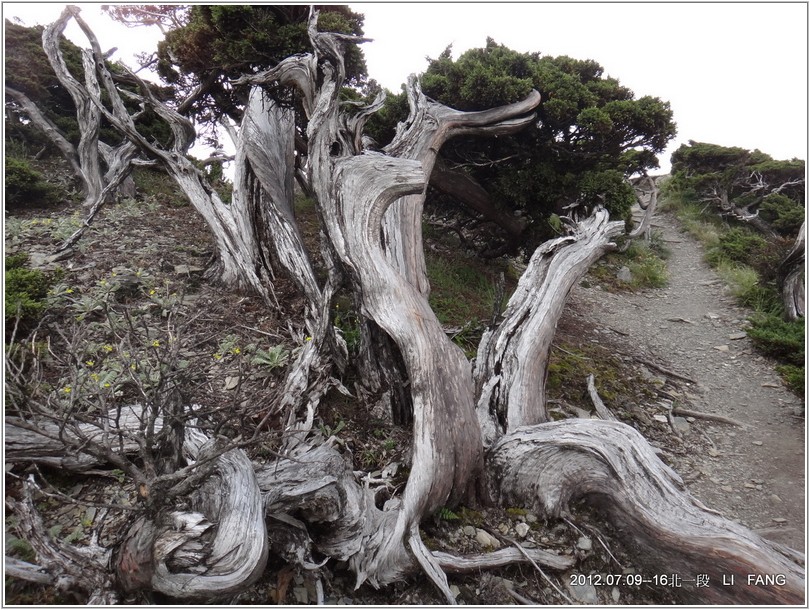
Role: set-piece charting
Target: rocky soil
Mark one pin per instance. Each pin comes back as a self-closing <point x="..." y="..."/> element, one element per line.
<point x="755" y="472"/>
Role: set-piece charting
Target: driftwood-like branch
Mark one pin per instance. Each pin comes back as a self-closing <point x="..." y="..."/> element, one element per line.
<point x="611" y="464"/>
<point x="512" y="359"/>
<point x="601" y="410"/>
<point x="644" y="228"/>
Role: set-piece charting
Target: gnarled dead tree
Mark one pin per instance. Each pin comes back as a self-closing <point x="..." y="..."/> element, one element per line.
<point x="791" y="274"/>
<point x="479" y="435"/>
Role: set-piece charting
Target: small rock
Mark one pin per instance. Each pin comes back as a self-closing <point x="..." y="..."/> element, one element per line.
<point x="503" y="528"/>
<point x="757" y="443"/>
<point x="727" y="488"/>
<point x="485" y="540"/>
<point x="615" y="594"/>
<point x="775" y="499"/>
<point x="713" y="452"/>
<point x="301" y="595"/>
<point x="585" y="594"/>
<point x="584" y="543"/>
<point x="681" y="425"/>
<point x="624" y="275"/>
<point x="750" y="486"/>
<point x="770" y="384"/>
<point x="712" y="316"/>
<point x="737" y="336"/>
<point x="469" y="530"/>
<point x="721" y="348"/>
<point x="455" y="591"/>
<point x="531" y="518"/>
<point x="231" y="382"/>
<point x="522" y="529"/>
<point x="779" y="520"/>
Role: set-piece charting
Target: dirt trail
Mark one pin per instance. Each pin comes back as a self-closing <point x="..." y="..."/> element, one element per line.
<point x="756" y="473"/>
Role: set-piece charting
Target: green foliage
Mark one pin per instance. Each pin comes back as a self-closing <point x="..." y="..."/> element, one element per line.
<point x="591" y="134"/>
<point x="793" y="377"/>
<point x="26" y="187"/>
<point x="778" y="338"/>
<point x="460" y="291"/>
<point x="229" y="40"/>
<point x="783" y="213"/>
<point x="273" y="358"/>
<point x="738" y="245"/>
<point x="730" y="175"/>
<point x="445" y="514"/>
<point x="25" y="291"/>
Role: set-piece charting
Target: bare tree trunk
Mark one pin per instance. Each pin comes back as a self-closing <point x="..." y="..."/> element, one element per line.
<point x="791" y="273"/>
<point x="470" y="193"/>
<point x="512" y="359"/>
<point x="644" y="228"/>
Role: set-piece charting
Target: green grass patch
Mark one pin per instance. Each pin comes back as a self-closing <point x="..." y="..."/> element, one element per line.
<point x="460" y="291"/>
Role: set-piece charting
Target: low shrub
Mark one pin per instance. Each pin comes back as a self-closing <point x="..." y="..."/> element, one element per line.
<point x="737" y="245"/>
<point x="26" y="187"/>
<point x="779" y="338"/>
<point x="25" y="292"/>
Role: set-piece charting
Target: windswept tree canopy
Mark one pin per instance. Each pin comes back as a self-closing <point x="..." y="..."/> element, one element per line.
<point x="592" y="132"/>
<point x="216" y="43"/>
<point x="748" y="184"/>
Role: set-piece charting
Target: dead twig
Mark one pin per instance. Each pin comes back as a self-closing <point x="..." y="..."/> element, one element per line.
<point x="600" y="407"/>
<point x="663" y="370"/>
<point x="709" y="416"/>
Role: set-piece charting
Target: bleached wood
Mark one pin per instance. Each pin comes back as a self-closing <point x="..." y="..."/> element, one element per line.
<point x="612" y="465"/>
<point x="512" y="359"/>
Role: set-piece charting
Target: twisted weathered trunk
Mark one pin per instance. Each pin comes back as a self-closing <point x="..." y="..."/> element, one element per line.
<point x="791" y="275"/>
<point x="612" y="466"/>
<point x="203" y="529"/>
<point x="512" y="359"/>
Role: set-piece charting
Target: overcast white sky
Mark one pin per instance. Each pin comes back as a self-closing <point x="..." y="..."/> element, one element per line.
<point x="734" y="73"/>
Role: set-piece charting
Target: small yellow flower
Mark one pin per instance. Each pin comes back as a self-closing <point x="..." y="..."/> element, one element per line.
<point x="66" y="389"/>
<point x="155" y="343"/>
<point x="308" y="339"/>
<point x="103" y="283"/>
<point x="236" y="351"/>
<point x="107" y="385"/>
<point x="151" y="292"/>
<point x="69" y="291"/>
<point x="90" y="362"/>
<point x="107" y="348"/>
<point x="94" y="376"/>
<point x="132" y="367"/>
<point x="217" y="356"/>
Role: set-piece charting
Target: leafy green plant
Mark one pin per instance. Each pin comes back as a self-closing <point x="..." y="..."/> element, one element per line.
<point x="273" y="358"/>
<point x="329" y="431"/>
<point x="445" y="514"/>
<point x="738" y="245"/>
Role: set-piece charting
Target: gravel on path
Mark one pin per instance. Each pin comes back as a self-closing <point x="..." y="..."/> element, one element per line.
<point x="755" y="473"/>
